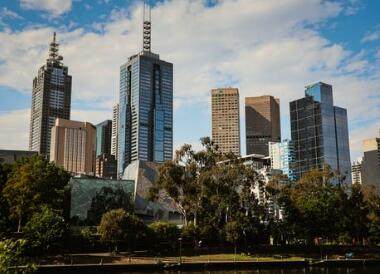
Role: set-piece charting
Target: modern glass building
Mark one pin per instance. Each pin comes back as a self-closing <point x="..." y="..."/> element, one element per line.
<point x="319" y="131"/>
<point x="103" y="138"/>
<point x="145" y="110"/>
<point x="282" y="156"/>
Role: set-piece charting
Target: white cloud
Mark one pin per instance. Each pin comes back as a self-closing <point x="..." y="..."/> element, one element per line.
<point x="5" y="12"/>
<point x="54" y="7"/>
<point x="261" y="46"/>
<point x="372" y="36"/>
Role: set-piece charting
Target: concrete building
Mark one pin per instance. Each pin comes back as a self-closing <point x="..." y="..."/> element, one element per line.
<point x="320" y="132"/>
<point x="226" y="119"/>
<point x="12" y="156"/>
<point x="51" y="99"/>
<point x="115" y="130"/>
<point x="262" y="123"/>
<point x="145" y="107"/>
<point x="106" y="166"/>
<point x="73" y="146"/>
<point x="356" y="172"/>
<point x="103" y="138"/>
<point x="282" y="157"/>
<point x="371" y="163"/>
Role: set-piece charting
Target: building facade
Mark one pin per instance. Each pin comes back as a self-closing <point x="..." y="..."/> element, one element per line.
<point x="319" y="131"/>
<point x="371" y="163"/>
<point x="106" y="166"/>
<point x="282" y="157"/>
<point x="356" y="172"/>
<point x="262" y="123"/>
<point x="115" y="130"/>
<point x="103" y="138"/>
<point x="73" y="146"/>
<point x="12" y="156"/>
<point x="225" y="114"/>
<point x="51" y="99"/>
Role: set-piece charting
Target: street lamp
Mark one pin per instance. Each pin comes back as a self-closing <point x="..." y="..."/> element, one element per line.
<point x="180" y="250"/>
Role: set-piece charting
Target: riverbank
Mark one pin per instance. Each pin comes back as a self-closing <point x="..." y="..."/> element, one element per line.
<point x="196" y="264"/>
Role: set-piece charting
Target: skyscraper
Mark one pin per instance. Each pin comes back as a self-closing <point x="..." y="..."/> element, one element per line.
<point x="145" y="106"/>
<point x="73" y="146"/>
<point x="51" y="99"/>
<point x="262" y="123"/>
<point x="225" y="119"/>
<point x="356" y="172"/>
<point x="115" y="130"/>
<point x="103" y="138"/>
<point x="371" y="163"/>
<point x="319" y="131"/>
<point x="282" y="157"/>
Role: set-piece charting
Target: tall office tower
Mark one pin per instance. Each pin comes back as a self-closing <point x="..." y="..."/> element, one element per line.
<point x="226" y="119"/>
<point x="73" y="146"/>
<point x="51" y="99"/>
<point x="103" y="138"/>
<point x="319" y="131"/>
<point x="282" y="157"/>
<point x="105" y="166"/>
<point x="262" y="123"/>
<point x="356" y="172"/>
<point x="145" y="107"/>
<point x="371" y="163"/>
<point x="115" y="130"/>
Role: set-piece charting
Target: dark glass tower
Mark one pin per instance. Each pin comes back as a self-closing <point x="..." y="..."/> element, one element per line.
<point x="51" y="99"/>
<point x="319" y="131"/>
<point x="103" y="137"/>
<point x="145" y="107"/>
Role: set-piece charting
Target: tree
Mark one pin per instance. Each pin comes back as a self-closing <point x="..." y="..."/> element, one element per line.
<point x="107" y="199"/>
<point x="12" y="255"/>
<point x="117" y="226"/>
<point x="5" y="223"/>
<point x="233" y="233"/>
<point x="35" y="182"/>
<point x="45" y="231"/>
<point x="165" y="232"/>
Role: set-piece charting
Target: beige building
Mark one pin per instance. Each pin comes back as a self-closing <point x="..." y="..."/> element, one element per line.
<point x="262" y="123"/>
<point x="73" y="146"/>
<point x="226" y="119"/>
<point x="371" y="163"/>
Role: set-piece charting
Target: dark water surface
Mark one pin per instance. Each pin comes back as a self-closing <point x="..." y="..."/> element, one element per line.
<point x="310" y="270"/>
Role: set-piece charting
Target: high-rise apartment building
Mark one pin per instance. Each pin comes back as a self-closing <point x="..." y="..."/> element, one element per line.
<point x="356" y="172"/>
<point x="371" y="163"/>
<point x="262" y="123"/>
<point x="103" y="137"/>
<point x="105" y="166"/>
<point x="145" y="107"/>
<point x="226" y="119"/>
<point x="282" y="157"/>
<point x="73" y="146"/>
<point x="51" y="99"/>
<point x="320" y="132"/>
<point x="115" y="130"/>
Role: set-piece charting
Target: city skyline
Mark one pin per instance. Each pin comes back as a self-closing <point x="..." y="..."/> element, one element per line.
<point x="192" y="99"/>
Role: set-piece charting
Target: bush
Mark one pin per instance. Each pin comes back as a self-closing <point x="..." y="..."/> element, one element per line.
<point x="117" y="226"/>
<point x="46" y="230"/>
<point x="11" y="255"/>
<point x="165" y="232"/>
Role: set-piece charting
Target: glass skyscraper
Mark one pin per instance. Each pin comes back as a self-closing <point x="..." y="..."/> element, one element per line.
<point x="282" y="157"/>
<point x="145" y="110"/>
<point x="319" y="131"/>
<point x="103" y="137"/>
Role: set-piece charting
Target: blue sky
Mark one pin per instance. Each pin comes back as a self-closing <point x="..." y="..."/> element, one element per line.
<point x="259" y="46"/>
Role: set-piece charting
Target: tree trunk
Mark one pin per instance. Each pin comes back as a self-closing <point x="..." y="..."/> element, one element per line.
<point x="19" y="224"/>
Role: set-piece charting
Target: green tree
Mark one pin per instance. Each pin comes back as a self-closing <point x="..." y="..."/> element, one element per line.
<point x="165" y="232"/>
<point x="107" y="199"/>
<point x="233" y="232"/>
<point x="5" y="223"/>
<point x="117" y="226"/>
<point x="12" y="255"/>
<point x="46" y="230"/>
<point x="35" y="182"/>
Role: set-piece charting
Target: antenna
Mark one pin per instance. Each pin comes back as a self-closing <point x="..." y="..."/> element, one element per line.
<point x="147" y="27"/>
<point x="54" y="57"/>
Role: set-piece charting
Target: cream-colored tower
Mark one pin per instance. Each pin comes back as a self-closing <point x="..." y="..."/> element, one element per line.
<point x="226" y="119"/>
<point x="73" y="146"/>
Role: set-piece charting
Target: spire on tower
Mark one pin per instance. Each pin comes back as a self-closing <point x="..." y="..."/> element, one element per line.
<point x="147" y="27"/>
<point x="54" y="57"/>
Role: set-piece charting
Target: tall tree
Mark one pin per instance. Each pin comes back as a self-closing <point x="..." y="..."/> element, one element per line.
<point x="35" y="182"/>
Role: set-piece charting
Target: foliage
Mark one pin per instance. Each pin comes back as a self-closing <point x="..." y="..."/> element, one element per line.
<point x="165" y="232"/>
<point x="117" y="226"/>
<point x="5" y="223"/>
<point x="35" y="182"/>
<point x="107" y="199"/>
<point x="46" y="230"/>
<point x="11" y="255"/>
